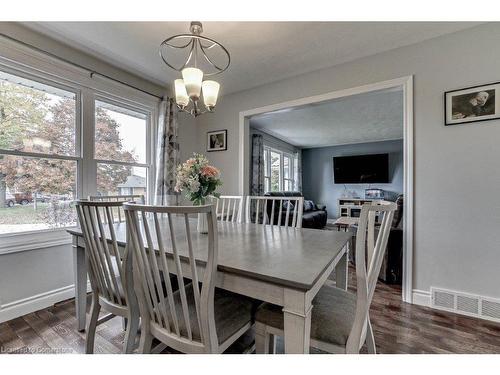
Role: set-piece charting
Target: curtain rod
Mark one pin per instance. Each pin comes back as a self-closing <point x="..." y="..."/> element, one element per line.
<point x="91" y="71"/>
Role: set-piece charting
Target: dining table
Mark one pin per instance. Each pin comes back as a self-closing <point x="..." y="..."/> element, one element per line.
<point x="281" y="265"/>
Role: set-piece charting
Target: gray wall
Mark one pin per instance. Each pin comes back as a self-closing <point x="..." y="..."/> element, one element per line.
<point x="317" y="172"/>
<point x="28" y="274"/>
<point x="457" y="171"/>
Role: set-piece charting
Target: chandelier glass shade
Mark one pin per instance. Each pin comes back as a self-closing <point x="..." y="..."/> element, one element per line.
<point x="195" y="57"/>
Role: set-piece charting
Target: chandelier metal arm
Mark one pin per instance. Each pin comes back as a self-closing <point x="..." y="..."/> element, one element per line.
<point x="189" y="56"/>
<point x="211" y="62"/>
<point x="198" y="38"/>
<point x="195" y="111"/>
<point x="174" y="46"/>
<point x="189" y="88"/>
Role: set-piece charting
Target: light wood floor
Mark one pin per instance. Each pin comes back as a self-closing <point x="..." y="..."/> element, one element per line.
<point x="398" y="327"/>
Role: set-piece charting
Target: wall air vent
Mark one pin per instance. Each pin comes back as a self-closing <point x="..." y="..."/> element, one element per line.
<point x="491" y="309"/>
<point x="466" y="304"/>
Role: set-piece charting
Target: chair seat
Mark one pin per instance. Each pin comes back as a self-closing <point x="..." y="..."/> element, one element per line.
<point x="232" y="312"/>
<point x="332" y="315"/>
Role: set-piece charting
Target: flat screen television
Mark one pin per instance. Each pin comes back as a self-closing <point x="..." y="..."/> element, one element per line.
<point x="361" y="169"/>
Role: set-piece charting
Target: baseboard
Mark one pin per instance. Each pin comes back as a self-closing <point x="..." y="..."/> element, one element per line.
<point x="421" y="297"/>
<point x="34" y="303"/>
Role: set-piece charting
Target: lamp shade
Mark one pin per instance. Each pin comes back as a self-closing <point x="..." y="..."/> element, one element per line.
<point x="181" y="96"/>
<point x="192" y="80"/>
<point x="210" y="93"/>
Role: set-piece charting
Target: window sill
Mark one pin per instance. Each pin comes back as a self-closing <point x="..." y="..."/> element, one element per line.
<point x="26" y="241"/>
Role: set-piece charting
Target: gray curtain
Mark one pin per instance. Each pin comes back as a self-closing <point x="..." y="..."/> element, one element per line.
<point x="167" y="154"/>
<point x="257" y="182"/>
<point x="298" y="171"/>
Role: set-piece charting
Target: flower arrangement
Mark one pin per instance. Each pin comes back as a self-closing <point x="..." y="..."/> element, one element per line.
<point x="198" y="179"/>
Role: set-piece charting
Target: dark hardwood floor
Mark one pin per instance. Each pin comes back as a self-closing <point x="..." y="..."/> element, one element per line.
<point x="398" y="328"/>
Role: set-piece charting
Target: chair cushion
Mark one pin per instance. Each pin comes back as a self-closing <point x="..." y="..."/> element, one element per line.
<point x="232" y="312"/>
<point x="332" y="315"/>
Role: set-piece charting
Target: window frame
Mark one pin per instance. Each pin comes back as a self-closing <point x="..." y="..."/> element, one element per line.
<point x="76" y="157"/>
<point x="149" y="141"/>
<point x="267" y="169"/>
<point x="291" y="174"/>
<point x="29" y="63"/>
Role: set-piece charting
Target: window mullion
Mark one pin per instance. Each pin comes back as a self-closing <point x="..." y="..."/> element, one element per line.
<point x="88" y="182"/>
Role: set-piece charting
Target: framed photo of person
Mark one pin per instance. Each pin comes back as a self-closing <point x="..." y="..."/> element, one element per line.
<point x="217" y="140"/>
<point x="472" y="104"/>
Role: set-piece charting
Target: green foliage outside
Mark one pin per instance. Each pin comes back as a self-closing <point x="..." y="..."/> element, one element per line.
<point x="37" y="122"/>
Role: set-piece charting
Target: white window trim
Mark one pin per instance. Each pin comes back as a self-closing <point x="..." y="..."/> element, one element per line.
<point x="282" y="179"/>
<point x="148" y="164"/>
<point x="26" y="62"/>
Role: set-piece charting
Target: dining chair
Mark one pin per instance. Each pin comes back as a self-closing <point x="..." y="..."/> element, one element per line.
<point x="106" y="271"/>
<point x="340" y="321"/>
<point x="117" y="213"/>
<point x="197" y="318"/>
<point x="229" y="208"/>
<point x="279" y="211"/>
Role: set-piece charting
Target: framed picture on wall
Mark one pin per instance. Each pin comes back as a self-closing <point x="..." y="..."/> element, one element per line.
<point x="472" y="104"/>
<point x="217" y="140"/>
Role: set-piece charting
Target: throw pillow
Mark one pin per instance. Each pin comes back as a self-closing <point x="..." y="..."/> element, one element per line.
<point x="308" y="205"/>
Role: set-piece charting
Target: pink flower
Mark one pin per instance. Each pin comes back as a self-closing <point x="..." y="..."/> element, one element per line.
<point x="209" y="171"/>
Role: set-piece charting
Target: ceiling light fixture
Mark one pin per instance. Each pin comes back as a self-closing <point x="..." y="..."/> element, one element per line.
<point x="195" y="56"/>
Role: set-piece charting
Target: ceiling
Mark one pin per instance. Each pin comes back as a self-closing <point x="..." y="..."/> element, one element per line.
<point x="369" y="117"/>
<point x="261" y="52"/>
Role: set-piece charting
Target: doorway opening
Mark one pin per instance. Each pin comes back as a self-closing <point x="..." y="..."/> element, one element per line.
<point x="303" y="137"/>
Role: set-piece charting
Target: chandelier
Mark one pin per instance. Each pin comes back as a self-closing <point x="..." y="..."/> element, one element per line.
<point x="196" y="57"/>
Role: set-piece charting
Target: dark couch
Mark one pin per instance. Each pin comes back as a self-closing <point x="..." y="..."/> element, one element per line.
<point x="313" y="216"/>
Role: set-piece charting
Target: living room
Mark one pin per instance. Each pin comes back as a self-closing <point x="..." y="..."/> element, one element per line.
<point x="159" y="190"/>
<point x="338" y="154"/>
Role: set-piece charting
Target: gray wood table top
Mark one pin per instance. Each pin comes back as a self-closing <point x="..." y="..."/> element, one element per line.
<point x="290" y="257"/>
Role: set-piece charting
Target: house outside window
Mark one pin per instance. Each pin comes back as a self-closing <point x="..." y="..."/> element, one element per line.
<point x="120" y="150"/>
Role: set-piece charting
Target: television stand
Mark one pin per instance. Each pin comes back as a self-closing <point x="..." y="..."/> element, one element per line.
<point x="351" y="207"/>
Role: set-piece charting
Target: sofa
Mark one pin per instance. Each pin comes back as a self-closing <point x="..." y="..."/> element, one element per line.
<point x="314" y="216"/>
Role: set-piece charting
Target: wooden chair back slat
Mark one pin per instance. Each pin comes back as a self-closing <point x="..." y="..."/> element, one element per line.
<point x="180" y="277"/>
<point x="229" y="208"/>
<point x="102" y="266"/>
<point x="194" y="273"/>
<point x="114" y="290"/>
<point x="106" y="270"/>
<point x="370" y="249"/>
<point x="136" y="198"/>
<point x="141" y="280"/>
<point x="168" y="283"/>
<point x="159" y="298"/>
<point x="156" y="251"/>
<point x="253" y="210"/>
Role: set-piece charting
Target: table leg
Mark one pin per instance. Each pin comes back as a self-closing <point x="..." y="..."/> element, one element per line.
<point x="297" y="322"/>
<point x="341" y="270"/>
<point x="80" y="269"/>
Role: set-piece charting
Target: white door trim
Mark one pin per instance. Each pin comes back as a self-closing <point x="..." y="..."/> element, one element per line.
<point x="407" y="85"/>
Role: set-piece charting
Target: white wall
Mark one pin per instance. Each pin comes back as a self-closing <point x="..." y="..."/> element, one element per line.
<point x="457" y="172"/>
<point x="33" y="279"/>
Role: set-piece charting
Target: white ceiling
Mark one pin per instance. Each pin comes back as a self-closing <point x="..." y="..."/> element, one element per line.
<point x="261" y="52"/>
<point x="375" y="116"/>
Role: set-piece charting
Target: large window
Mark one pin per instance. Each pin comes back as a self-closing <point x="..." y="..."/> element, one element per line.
<point x="121" y="150"/>
<point x="38" y="154"/>
<point x="279" y="170"/>
<point x="47" y="134"/>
